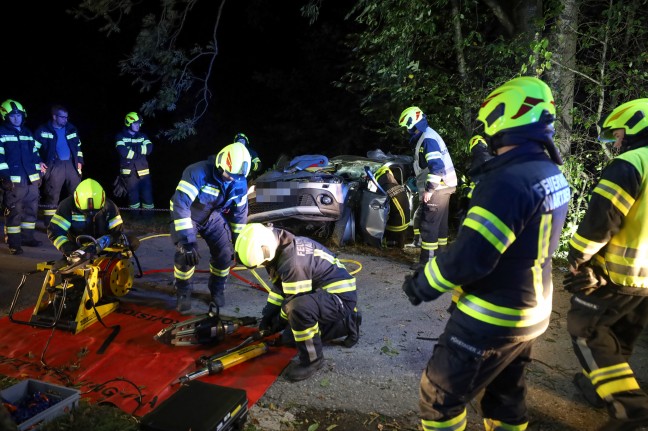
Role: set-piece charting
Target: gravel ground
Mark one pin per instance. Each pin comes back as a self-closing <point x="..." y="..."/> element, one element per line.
<point x="373" y="385"/>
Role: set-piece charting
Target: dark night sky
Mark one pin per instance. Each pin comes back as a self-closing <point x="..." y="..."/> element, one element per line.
<point x="271" y="81"/>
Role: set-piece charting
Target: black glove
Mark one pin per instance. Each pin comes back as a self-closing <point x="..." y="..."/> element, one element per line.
<point x="6" y="184"/>
<point x="586" y="280"/>
<point x="68" y="248"/>
<point x="190" y="253"/>
<point x="409" y="287"/>
<point x="273" y="324"/>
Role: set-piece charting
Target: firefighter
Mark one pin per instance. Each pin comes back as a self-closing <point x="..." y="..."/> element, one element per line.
<point x="210" y="200"/>
<point x="60" y="150"/>
<point x="436" y="181"/>
<point x="255" y="169"/>
<point x="86" y="212"/>
<point x="311" y="291"/>
<point x="20" y="177"/>
<point x="608" y="267"/>
<point x="134" y="147"/>
<point x="500" y="263"/>
<point x="479" y="155"/>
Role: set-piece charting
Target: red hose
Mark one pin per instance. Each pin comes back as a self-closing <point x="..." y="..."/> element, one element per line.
<point x="243" y="279"/>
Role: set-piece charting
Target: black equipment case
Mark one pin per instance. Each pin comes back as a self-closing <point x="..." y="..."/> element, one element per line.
<point x="199" y="406"/>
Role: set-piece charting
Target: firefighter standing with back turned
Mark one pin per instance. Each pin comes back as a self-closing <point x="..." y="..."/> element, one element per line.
<point x="608" y="264"/>
<point x="311" y="291"/>
<point x="210" y="200"/>
<point x="501" y="259"/>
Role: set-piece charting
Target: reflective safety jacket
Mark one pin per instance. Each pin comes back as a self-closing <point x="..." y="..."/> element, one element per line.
<point x="302" y="266"/>
<point x="19" y="158"/>
<point x="47" y="139"/>
<point x="432" y="162"/>
<point x="200" y="192"/>
<point x="500" y="263"/>
<point x="133" y="150"/>
<point x="69" y="222"/>
<point x="614" y="230"/>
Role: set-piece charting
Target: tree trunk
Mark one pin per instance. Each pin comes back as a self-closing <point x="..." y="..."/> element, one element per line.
<point x="461" y="66"/>
<point x="564" y="77"/>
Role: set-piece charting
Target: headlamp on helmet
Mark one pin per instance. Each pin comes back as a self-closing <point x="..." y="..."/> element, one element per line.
<point x="519" y="102"/>
<point x="11" y="106"/>
<point x="631" y="116"/>
<point x="234" y="159"/>
<point x="132" y="117"/>
<point x="410" y="116"/>
<point x="89" y="196"/>
<point x="256" y="245"/>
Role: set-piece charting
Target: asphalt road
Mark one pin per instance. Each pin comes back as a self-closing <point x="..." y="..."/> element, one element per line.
<point x="382" y="372"/>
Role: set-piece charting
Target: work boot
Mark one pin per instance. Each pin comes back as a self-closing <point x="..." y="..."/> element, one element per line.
<point x="15" y="250"/>
<point x="624" y="424"/>
<point x="218" y="297"/>
<point x="32" y="243"/>
<point x="416" y="242"/>
<point x="183" y="305"/>
<point x="586" y="389"/>
<point x="296" y="371"/>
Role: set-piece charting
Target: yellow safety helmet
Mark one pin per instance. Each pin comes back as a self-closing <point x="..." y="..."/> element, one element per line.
<point x="410" y="116"/>
<point x="89" y="196"/>
<point x="11" y="106"/>
<point x="476" y="140"/>
<point x="518" y="102"/>
<point x="132" y="117"/>
<point x="256" y="244"/>
<point x="234" y="159"/>
<point x="631" y="116"/>
<point x="242" y="138"/>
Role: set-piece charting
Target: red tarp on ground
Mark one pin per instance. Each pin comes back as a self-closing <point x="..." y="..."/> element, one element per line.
<point x="133" y="355"/>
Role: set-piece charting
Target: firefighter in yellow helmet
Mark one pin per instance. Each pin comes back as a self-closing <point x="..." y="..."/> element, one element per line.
<point x="499" y="265"/>
<point x="608" y="264"/>
<point x="86" y="212"/>
<point x="211" y="201"/>
<point x="479" y="154"/>
<point x="134" y="147"/>
<point x="436" y="181"/>
<point x="20" y="177"/>
<point x="311" y="292"/>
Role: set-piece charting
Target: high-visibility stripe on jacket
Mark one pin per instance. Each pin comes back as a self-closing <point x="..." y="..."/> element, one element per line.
<point x="200" y="192"/>
<point x="614" y="232"/>
<point x="133" y="151"/>
<point x="19" y="158"/>
<point x="499" y="266"/>
<point x="303" y="266"/>
<point x="47" y="140"/>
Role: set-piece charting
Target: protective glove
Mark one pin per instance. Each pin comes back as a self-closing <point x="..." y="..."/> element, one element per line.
<point x="409" y="287"/>
<point x="273" y="324"/>
<point x="190" y="253"/>
<point x="68" y="248"/>
<point x="586" y="280"/>
<point x="6" y="184"/>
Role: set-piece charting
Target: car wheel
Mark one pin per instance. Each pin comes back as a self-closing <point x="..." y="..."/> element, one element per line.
<point x="344" y="228"/>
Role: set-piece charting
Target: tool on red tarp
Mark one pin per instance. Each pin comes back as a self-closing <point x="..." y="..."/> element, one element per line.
<point x="209" y="328"/>
<point x="82" y="289"/>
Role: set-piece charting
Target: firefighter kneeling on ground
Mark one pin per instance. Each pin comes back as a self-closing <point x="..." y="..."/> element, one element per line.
<point x="311" y="291"/>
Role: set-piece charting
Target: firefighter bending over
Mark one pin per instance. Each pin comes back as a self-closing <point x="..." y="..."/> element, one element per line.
<point x="501" y="261"/>
<point x="210" y="200"/>
<point x="86" y="212"/>
<point x="608" y="266"/>
<point x="311" y="291"/>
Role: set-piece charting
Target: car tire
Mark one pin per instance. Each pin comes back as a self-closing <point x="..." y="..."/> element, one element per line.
<point x="344" y="228"/>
